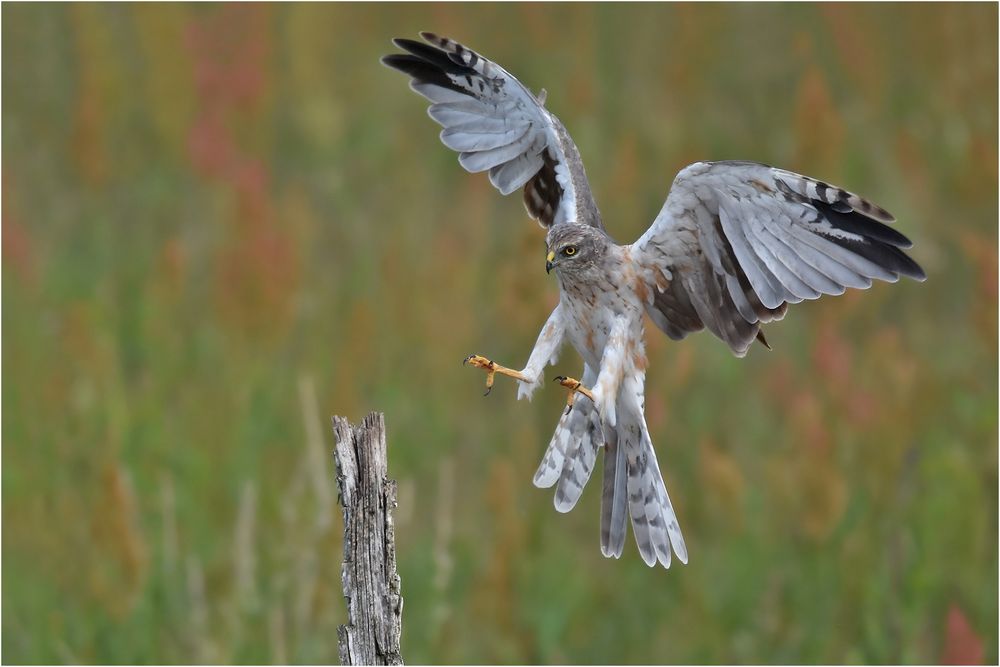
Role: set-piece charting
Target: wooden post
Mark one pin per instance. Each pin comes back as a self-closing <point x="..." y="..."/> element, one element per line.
<point x="371" y="585"/>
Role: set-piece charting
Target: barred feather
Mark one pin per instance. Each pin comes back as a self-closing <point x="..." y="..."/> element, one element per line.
<point x="498" y="125"/>
<point x="569" y="459"/>
<point x="767" y="238"/>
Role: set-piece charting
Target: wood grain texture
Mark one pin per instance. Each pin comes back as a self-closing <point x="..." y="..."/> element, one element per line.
<point x="371" y="584"/>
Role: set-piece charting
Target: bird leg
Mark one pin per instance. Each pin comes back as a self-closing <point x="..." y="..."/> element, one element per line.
<point x="492" y="368"/>
<point x="574" y="386"/>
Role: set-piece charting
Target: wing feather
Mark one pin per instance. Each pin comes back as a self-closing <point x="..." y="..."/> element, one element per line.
<point x="483" y="135"/>
<point x="798" y="260"/>
<point x="833" y="260"/>
<point x="765" y="284"/>
<point x="452" y="114"/>
<point x="746" y="240"/>
<point x="740" y="301"/>
<point x="510" y="176"/>
<point x="781" y="266"/>
<point x="497" y="124"/>
<point x="481" y="160"/>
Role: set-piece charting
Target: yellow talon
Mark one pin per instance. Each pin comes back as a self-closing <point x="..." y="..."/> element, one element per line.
<point x="574" y="386"/>
<point x="492" y="368"/>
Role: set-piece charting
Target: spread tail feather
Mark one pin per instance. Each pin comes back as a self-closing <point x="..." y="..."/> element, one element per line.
<point x="614" y="507"/>
<point x="653" y="519"/>
<point x="572" y="452"/>
<point x="633" y="486"/>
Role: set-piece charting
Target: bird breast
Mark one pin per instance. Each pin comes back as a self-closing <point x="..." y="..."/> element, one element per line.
<point x="591" y="309"/>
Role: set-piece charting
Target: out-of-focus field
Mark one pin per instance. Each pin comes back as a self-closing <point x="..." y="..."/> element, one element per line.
<point x="224" y="223"/>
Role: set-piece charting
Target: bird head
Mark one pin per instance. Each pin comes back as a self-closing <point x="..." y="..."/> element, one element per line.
<point x="575" y="250"/>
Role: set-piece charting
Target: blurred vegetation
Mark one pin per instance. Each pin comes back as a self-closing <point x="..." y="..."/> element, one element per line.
<point x="224" y="223"/>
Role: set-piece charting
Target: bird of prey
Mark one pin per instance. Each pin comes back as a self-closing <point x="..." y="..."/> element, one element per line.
<point x="733" y="245"/>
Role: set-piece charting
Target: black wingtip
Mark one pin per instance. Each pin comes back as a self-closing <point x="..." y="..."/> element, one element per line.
<point x="879" y="243"/>
<point x="885" y="255"/>
<point x="860" y="224"/>
<point x="411" y="45"/>
<point x="402" y="62"/>
<point x="905" y="265"/>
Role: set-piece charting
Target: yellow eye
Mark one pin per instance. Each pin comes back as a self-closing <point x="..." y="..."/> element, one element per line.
<point x="569" y="250"/>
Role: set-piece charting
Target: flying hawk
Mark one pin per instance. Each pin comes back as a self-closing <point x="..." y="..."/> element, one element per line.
<point x="733" y="245"/>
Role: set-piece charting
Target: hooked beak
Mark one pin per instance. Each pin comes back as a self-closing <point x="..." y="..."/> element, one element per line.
<point x="548" y="261"/>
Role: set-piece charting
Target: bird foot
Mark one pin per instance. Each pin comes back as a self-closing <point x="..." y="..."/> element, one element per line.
<point x="492" y="368"/>
<point x="574" y="386"/>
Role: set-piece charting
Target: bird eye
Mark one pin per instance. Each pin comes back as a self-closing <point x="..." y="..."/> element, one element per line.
<point x="569" y="250"/>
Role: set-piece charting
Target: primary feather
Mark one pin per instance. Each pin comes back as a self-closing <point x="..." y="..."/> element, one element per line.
<point x="736" y="242"/>
<point x="499" y="125"/>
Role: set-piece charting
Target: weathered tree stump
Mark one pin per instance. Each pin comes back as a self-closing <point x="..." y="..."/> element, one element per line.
<point x="371" y="584"/>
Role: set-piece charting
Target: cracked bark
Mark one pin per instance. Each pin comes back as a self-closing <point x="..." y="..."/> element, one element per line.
<point x="371" y="584"/>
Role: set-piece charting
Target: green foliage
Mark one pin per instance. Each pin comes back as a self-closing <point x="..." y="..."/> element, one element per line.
<point x="224" y="223"/>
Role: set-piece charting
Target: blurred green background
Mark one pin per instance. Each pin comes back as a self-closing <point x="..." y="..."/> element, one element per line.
<point x="224" y="223"/>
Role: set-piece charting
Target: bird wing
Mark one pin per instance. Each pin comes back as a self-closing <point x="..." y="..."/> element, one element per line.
<point x="497" y="124"/>
<point x="736" y="242"/>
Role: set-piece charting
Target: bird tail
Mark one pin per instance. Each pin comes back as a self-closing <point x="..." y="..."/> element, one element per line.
<point x="633" y="485"/>
<point x="572" y="452"/>
<point x="632" y="480"/>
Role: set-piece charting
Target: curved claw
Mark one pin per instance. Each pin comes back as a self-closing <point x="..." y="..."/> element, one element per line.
<point x="492" y="368"/>
<point x="479" y="361"/>
<point x="569" y="402"/>
<point x="574" y="386"/>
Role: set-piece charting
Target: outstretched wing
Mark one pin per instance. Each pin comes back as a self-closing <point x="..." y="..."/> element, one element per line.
<point x="496" y="124"/>
<point x="736" y="242"/>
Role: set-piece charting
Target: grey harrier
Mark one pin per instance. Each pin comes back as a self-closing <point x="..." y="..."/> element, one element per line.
<point x="734" y="244"/>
